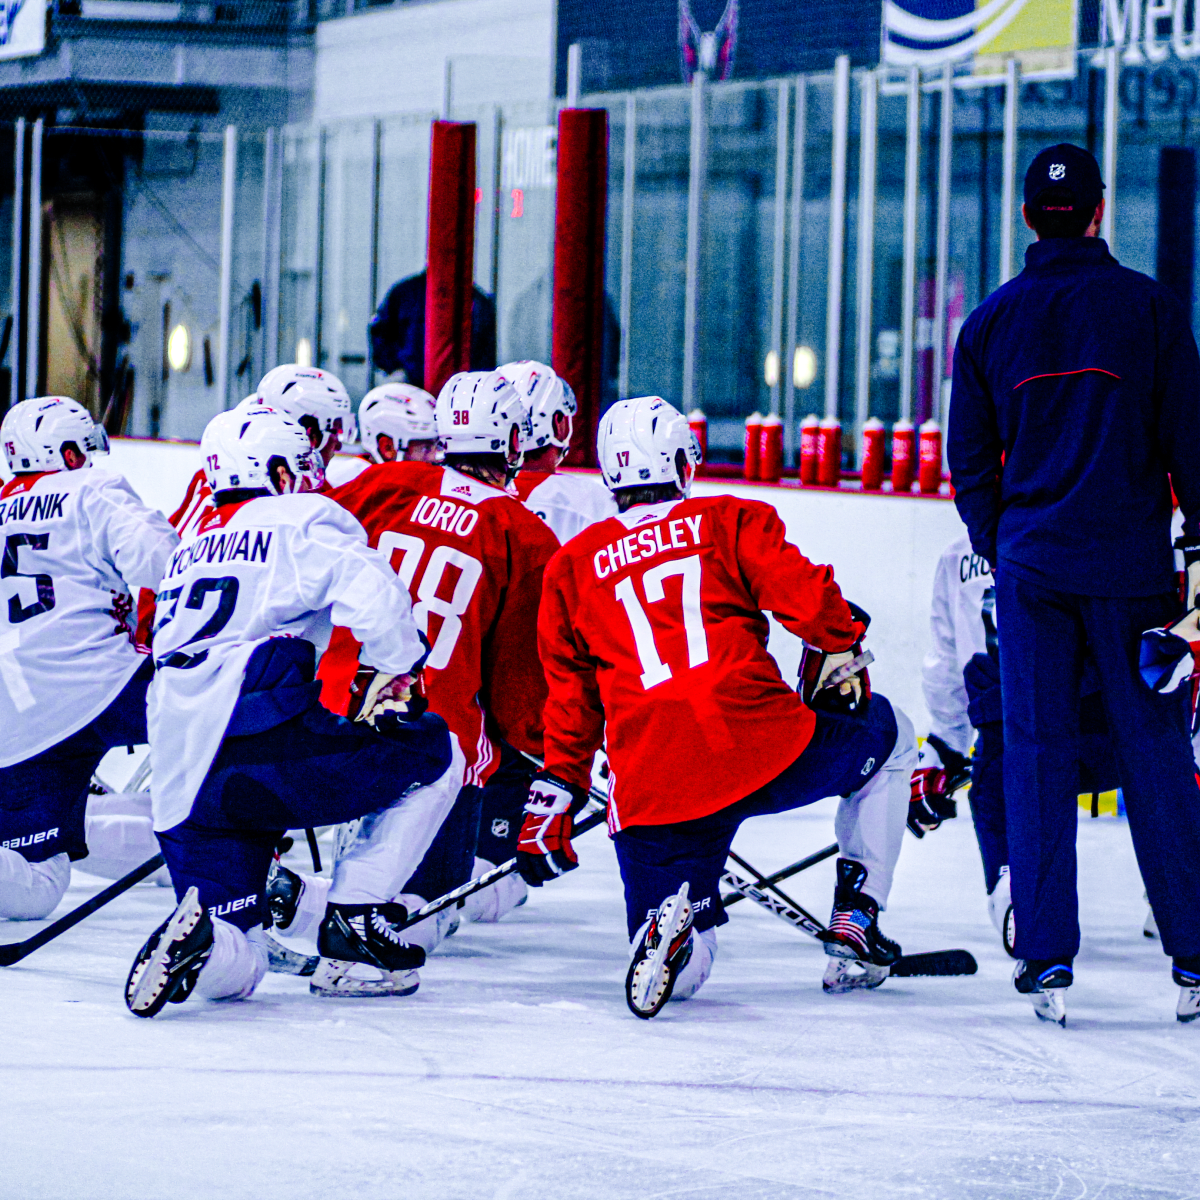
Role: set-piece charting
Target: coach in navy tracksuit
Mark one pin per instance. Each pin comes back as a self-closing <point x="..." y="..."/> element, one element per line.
<point x="1076" y="394"/>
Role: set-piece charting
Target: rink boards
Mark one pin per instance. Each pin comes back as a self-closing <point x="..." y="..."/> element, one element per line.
<point x="883" y="550"/>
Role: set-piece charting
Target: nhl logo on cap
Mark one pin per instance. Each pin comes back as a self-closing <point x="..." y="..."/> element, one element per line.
<point x="1057" y="171"/>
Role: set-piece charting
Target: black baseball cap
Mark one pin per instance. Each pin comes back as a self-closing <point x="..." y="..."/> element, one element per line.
<point x="1067" y="169"/>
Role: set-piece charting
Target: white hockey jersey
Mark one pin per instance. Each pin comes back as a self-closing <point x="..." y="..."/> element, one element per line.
<point x="963" y="609"/>
<point x="567" y="503"/>
<point x="74" y="544"/>
<point x="276" y="566"/>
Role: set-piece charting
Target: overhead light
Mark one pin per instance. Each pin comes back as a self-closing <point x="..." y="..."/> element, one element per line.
<point x="304" y="353"/>
<point x="804" y="366"/>
<point x="179" y="348"/>
<point x="771" y="369"/>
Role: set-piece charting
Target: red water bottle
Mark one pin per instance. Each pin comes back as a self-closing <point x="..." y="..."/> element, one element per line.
<point x="698" y="424"/>
<point x="753" y="445"/>
<point x="770" y="452"/>
<point x="809" y="429"/>
<point x="872" y="454"/>
<point x="829" y="452"/>
<point x="929" y="472"/>
<point x="903" y="455"/>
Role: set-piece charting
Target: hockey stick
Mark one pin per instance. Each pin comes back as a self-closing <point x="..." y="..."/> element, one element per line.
<point x="489" y="877"/>
<point x="935" y="962"/>
<point x="786" y="873"/>
<point x="13" y="952"/>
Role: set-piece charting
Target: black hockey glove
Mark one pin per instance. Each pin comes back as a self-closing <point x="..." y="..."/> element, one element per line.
<point x="940" y="773"/>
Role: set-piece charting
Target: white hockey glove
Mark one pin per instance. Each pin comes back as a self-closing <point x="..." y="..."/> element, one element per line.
<point x="382" y="694"/>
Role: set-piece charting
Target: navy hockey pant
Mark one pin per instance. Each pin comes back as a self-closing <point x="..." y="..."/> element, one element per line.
<point x="656" y="859"/>
<point x="313" y="769"/>
<point x="484" y="821"/>
<point x="43" y="800"/>
<point x="1044" y="636"/>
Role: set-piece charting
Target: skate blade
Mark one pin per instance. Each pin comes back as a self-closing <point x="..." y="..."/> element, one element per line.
<point x="1150" y="928"/>
<point x="334" y="978"/>
<point x="651" y="977"/>
<point x="146" y="998"/>
<point x="841" y="975"/>
<point x="1188" y="1008"/>
<point x="282" y="961"/>
<point x="1051" y="1006"/>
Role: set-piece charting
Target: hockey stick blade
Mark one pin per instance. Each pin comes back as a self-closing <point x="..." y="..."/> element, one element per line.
<point x="13" y="952"/>
<point x="489" y="877"/>
<point x="935" y="962"/>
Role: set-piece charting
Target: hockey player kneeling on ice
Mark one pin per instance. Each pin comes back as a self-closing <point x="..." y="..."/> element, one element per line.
<point x="242" y="750"/>
<point x="653" y="633"/>
<point x="72" y="682"/>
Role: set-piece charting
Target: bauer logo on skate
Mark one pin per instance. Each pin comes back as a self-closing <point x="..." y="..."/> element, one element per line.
<point x="445" y="515"/>
<point x="32" y="508"/>
<point x="222" y="548"/>
<point x="30" y="839"/>
<point x="648" y="543"/>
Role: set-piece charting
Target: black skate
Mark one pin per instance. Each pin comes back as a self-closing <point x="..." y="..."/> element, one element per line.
<point x="363" y="952"/>
<point x="1186" y="973"/>
<point x="665" y="949"/>
<point x="861" y="957"/>
<point x="284" y="889"/>
<point x="168" y="965"/>
<point x="1045" y="982"/>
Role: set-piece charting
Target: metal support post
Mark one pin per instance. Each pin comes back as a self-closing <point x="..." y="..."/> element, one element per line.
<point x="942" y="264"/>
<point x="697" y="174"/>
<point x="1111" y="115"/>
<point x="16" y="385"/>
<point x="497" y="173"/>
<point x="628" y="183"/>
<point x="795" y="231"/>
<point x="780" y="233"/>
<point x="908" y="287"/>
<point x="1008" y="184"/>
<point x="270" y="229"/>
<point x="837" y="231"/>
<point x="868" y="135"/>
<point x="574" y="74"/>
<point x="225" y="285"/>
<point x="33" y="288"/>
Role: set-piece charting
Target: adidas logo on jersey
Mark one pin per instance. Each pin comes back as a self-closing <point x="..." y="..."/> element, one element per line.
<point x="462" y="491"/>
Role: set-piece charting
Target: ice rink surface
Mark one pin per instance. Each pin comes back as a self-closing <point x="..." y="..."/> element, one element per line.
<point x="517" y="1071"/>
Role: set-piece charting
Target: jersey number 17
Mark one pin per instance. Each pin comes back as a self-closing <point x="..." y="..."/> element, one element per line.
<point x="654" y="670"/>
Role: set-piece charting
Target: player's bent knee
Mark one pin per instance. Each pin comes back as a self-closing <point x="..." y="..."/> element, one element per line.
<point x="31" y="891"/>
<point x="236" y="966"/>
<point x="691" y="979"/>
<point x="904" y="752"/>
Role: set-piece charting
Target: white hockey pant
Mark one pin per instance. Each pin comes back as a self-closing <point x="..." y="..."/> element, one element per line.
<point x="870" y="823"/>
<point x="699" y="967"/>
<point x="119" y="832"/>
<point x="236" y="966"/>
<point x="31" y="891"/>
<point x="389" y="845"/>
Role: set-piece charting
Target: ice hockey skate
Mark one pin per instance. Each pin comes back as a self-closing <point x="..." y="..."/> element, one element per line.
<point x="363" y="953"/>
<point x="663" y="952"/>
<point x="284" y="889"/>
<point x="1045" y="983"/>
<point x="1000" y="909"/>
<point x="1186" y="973"/>
<point x="860" y="956"/>
<point x="167" y="966"/>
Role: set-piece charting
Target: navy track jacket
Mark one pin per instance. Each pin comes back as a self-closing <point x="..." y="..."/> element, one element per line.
<point x="1076" y="393"/>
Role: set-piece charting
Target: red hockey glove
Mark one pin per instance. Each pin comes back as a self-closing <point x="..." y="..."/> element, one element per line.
<point x="544" y="848"/>
<point x="940" y="773"/>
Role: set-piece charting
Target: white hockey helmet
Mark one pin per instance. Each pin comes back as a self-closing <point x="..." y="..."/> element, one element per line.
<point x="639" y="445"/>
<point x="35" y="431"/>
<point x="402" y="411"/>
<point x="479" y="412"/>
<point x="313" y="398"/>
<point x="550" y="400"/>
<point x="243" y="447"/>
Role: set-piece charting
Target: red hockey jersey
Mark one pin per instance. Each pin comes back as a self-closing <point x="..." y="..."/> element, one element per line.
<point x="472" y="557"/>
<point x="652" y="623"/>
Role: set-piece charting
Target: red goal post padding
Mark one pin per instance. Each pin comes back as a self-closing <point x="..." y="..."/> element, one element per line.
<point x="451" y="252"/>
<point x="579" y="219"/>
